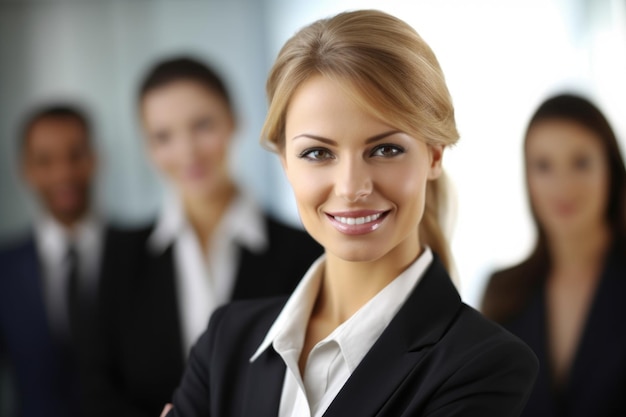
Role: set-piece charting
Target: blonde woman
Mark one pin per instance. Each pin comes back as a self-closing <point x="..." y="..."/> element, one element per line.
<point x="360" y="116"/>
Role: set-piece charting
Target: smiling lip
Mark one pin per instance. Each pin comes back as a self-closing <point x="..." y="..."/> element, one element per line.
<point x="357" y="222"/>
<point x="195" y="173"/>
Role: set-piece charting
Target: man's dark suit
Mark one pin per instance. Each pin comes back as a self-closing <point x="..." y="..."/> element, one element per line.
<point x="138" y="359"/>
<point x="437" y="358"/>
<point x="44" y="371"/>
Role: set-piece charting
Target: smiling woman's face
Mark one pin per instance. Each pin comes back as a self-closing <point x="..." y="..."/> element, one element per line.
<point x="360" y="184"/>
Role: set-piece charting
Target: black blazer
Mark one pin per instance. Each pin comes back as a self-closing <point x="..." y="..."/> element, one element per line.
<point x="137" y="358"/>
<point x="438" y="357"/>
<point x="597" y="382"/>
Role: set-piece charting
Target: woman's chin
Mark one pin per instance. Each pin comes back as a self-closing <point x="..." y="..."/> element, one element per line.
<point x="569" y="226"/>
<point x="199" y="188"/>
<point x="361" y="255"/>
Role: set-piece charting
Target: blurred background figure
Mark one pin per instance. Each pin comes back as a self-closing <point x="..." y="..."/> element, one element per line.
<point x="567" y="299"/>
<point x="48" y="279"/>
<point x="211" y="243"/>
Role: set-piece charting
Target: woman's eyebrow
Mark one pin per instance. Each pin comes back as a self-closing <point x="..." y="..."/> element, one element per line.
<point x="382" y="136"/>
<point x="328" y="141"/>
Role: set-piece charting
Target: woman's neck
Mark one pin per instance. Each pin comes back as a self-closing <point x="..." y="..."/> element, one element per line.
<point x="204" y="212"/>
<point x="347" y="286"/>
<point x="580" y="251"/>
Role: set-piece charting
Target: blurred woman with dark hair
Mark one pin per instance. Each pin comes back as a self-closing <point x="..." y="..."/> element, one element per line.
<point x="566" y="299"/>
<point x="210" y="244"/>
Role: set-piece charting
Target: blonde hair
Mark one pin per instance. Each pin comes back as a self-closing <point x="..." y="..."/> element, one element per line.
<point x="387" y="69"/>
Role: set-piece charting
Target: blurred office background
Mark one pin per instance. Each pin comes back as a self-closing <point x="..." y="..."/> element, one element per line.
<point x="501" y="58"/>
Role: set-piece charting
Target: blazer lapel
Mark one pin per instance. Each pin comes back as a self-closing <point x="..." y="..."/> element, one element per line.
<point x="600" y="339"/>
<point x="154" y="357"/>
<point x="531" y="328"/>
<point x="265" y="385"/>
<point x="165" y="273"/>
<point x="421" y="322"/>
<point x="31" y="292"/>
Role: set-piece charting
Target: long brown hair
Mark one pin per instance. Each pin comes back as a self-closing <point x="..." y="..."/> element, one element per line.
<point x="387" y="69"/>
<point x="509" y="290"/>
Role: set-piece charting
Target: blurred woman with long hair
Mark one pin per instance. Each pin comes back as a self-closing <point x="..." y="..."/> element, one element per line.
<point x="566" y="299"/>
<point x="210" y="244"/>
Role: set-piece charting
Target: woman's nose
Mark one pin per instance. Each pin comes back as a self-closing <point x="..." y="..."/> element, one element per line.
<point x="353" y="180"/>
<point x="186" y="147"/>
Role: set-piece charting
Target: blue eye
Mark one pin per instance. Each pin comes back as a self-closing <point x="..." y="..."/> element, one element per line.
<point x="316" y="154"/>
<point x="387" y="151"/>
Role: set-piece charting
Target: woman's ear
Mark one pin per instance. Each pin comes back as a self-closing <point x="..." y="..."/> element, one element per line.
<point x="436" y="158"/>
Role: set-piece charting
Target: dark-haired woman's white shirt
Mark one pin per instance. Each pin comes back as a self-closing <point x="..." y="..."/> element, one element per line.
<point x="332" y="360"/>
<point x="205" y="279"/>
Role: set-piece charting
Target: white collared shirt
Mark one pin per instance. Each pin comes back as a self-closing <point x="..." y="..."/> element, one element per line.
<point x="333" y="359"/>
<point x="204" y="281"/>
<point x="52" y="241"/>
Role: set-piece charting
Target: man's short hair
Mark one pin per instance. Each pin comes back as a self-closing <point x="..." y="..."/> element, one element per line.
<point x="55" y="111"/>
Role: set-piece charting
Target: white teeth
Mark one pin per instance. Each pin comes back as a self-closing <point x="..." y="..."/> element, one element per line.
<point x="357" y="220"/>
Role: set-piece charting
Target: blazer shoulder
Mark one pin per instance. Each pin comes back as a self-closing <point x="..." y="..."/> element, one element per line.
<point x="482" y="341"/>
<point x="15" y="250"/>
<point x="508" y="290"/>
<point x="479" y="330"/>
<point x="279" y="231"/>
<point x="125" y="250"/>
<point x="126" y="244"/>
<point x="473" y="335"/>
<point x="295" y="248"/>
<point x="128" y="236"/>
<point x="483" y="369"/>
<point x="253" y="317"/>
<point x="513" y="273"/>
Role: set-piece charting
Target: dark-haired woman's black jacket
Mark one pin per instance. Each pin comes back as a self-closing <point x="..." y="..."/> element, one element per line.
<point x="597" y="382"/>
<point x="136" y="359"/>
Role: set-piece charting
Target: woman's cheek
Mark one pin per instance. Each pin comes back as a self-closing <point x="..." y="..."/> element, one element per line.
<point x="165" y="160"/>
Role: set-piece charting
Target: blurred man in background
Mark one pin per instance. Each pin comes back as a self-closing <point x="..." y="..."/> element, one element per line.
<point x="48" y="280"/>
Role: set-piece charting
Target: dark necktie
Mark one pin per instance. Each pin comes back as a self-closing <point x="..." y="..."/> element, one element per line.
<point x="73" y="290"/>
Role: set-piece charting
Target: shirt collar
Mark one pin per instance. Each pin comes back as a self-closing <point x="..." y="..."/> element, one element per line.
<point x="53" y="238"/>
<point x="296" y="312"/>
<point x="369" y="321"/>
<point x="242" y="222"/>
